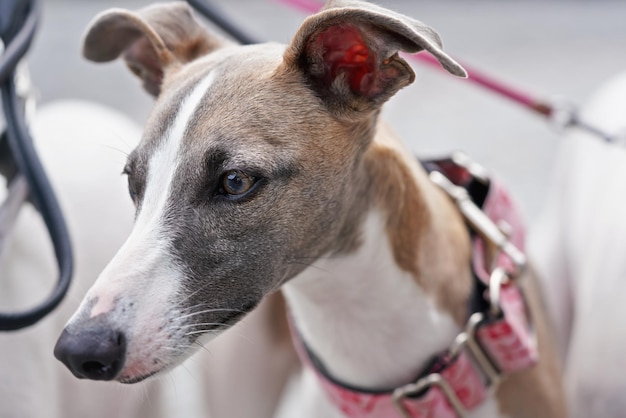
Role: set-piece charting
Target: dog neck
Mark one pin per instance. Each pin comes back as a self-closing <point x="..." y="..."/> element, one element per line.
<point x="376" y="316"/>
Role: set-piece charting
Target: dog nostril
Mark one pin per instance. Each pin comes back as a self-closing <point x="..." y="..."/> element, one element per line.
<point x="95" y="368"/>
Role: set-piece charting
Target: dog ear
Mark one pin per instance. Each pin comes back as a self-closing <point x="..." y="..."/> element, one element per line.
<point x="153" y="40"/>
<point x="349" y="54"/>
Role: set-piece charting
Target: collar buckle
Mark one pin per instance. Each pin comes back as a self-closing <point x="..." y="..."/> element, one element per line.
<point x="467" y="340"/>
<point x="433" y="379"/>
<point x="479" y="221"/>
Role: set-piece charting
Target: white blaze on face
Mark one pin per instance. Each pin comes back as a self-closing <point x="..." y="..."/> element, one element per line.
<point x="142" y="268"/>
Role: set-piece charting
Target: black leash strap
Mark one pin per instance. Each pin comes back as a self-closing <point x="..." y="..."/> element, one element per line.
<point x="18" y="21"/>
<point x="221" y="21"/>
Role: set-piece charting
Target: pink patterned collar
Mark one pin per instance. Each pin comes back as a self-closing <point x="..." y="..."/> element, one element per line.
<point x="498" y="338"/>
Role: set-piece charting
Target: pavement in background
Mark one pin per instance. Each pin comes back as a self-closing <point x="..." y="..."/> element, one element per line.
<point x="557" y="49"/>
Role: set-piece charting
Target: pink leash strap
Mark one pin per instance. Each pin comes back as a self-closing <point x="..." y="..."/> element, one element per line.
<point x="562" y="116"/>
<point x="536" y="105"/>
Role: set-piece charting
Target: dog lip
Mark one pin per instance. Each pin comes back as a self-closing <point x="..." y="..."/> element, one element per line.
<point x="137" y="379"/>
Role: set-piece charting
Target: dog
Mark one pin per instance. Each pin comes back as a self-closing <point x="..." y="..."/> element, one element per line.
<point x="265" y="167"/>
<point x="578" y="250"/>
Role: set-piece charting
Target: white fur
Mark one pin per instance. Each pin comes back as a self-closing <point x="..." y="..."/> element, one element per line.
<point x="368" y="320"/>
<point x="143" y="271"/>
<point x="165" y="161"/>
<point x="144" y="256"/>
<point x="579" y="248"/>
<point x="82" y="146"/>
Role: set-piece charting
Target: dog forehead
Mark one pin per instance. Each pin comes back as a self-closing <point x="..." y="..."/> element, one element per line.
<point x="239" y="73"/>
<point x="252" y="98"/>
<point x="248" y="94"/>
<point x="253" y="109"/>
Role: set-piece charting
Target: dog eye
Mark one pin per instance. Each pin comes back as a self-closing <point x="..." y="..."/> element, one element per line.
<point x="237" y="183"/>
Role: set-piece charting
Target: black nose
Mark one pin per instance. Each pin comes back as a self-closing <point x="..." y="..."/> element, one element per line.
<point x="96" y="353"/>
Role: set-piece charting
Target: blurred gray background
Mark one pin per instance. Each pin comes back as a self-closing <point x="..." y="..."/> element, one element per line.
<point x="556" y="49"/>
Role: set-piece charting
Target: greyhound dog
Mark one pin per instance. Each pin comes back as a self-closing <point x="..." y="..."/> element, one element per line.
<point x="578" y="247"/>
<point x="265" y="167"/>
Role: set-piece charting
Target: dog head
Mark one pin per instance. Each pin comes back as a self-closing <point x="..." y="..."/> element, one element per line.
<point x="250" y="168"/>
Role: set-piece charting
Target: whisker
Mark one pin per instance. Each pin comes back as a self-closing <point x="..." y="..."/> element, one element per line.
<point x="208" y="311"/>
<point x="192" y="294"/>
<point x="311" y="265"/>
<point x="206" y="331"/>
<point x="202" y="346"/>
<point x="328" y="257"/>
<point x="173" y="384"/>
<point x="203" y="324"/>
<point x="121" y="139"/>
<point x="204" y="349"/>
<point x="239" y="333"/>
<point x="175" y="349"/>
<point x="191" y="308"/>
<point x="111" y="147"/>
<point x="146" y="396"/>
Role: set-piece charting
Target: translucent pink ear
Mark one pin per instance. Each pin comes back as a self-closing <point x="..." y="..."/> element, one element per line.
<point x="349" y="53"/>
<point x="151" y="40"/>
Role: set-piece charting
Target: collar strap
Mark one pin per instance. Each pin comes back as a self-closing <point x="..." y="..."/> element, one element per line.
<point x="498" y="338"/>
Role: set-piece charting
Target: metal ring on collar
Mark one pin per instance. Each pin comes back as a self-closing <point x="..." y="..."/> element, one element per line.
<point x="433" y="379"/>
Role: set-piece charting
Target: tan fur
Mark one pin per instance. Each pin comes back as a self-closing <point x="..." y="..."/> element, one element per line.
<point x="402" y="202"/>
<point x="152" y="40"/>
<point x="430" y="240"/>
<point x="427" y="235"/>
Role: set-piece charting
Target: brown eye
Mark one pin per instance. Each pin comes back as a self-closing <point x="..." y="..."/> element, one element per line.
<point x="237" y="183"/>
